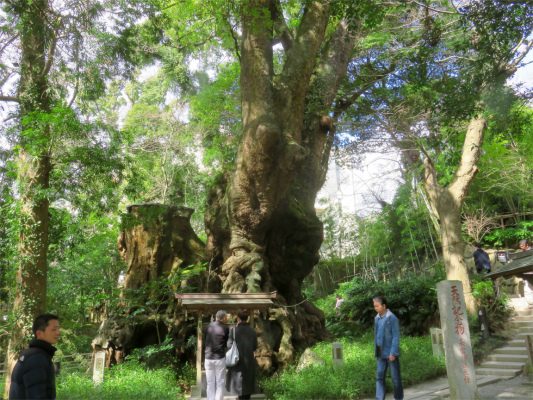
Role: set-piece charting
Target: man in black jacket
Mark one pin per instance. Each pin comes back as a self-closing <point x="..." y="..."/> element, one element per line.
<point x="481" y="259"/>
<point x="216" y="337"/>
<point x="33" y="376"/>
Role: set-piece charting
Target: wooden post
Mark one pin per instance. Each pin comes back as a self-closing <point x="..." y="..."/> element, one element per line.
<point x="199" y="353"/>
<point x="483" y="323"/>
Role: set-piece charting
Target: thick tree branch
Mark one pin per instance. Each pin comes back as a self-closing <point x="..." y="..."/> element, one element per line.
<point x="470" y="157"/>
<point x="9" y="98"/>
<point x="280" y="26"/>
<point x="50" y="57"/>
<point x="301" y="58"/>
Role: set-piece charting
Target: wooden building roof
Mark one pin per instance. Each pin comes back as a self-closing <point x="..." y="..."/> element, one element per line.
<point x="230" y="302"/>
<point x="520" y="263"/>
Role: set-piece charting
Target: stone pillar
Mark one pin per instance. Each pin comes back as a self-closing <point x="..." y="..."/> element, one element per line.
<point x="338" y="356"/>
<point x="483" y="322"/>
<point x="457" y="346"/>
<point x="99" y="363"/>
<point x="437" y="342"/>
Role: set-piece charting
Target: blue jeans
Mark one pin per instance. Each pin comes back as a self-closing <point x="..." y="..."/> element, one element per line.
<point x="383" y="364"/>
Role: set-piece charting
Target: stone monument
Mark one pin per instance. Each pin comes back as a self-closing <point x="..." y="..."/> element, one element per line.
<point x="99" y="364"/>
<point x="437" y="342"/>
<point x="338" y="357"/>
<point x="457" y="345"/>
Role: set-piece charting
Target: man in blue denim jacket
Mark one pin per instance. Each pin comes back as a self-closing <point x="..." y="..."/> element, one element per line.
<point x="387" y="345"/>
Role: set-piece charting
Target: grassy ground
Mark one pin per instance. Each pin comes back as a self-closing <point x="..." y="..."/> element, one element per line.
<point x="127" y="381"/>
<point x="357" y="378"/>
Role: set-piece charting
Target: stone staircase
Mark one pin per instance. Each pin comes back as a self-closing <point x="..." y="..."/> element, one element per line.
<point x="508" y="361"/>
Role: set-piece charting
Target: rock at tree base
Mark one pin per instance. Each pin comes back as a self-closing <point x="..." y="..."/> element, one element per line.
<point x="309" y="358"/>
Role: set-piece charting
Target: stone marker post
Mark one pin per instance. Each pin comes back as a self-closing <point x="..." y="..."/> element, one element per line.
<point x="457" y="347"/>
<point x="483" y="322"/>
<point x="437" y="342"/>
<point x="99" y="363"/>
<point x="338" y="357"/>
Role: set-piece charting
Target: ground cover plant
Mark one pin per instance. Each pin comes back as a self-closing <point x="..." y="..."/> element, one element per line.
<point x="129" y="380"/>
<point x="357" y="378"/>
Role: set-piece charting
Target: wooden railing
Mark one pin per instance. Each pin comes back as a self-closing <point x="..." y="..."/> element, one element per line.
<point x="64" y="363"/>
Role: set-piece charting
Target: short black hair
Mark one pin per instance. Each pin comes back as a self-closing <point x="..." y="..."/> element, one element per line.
<point x="41" y="322"/>
<point x="478" y="245"/>
<point x="381" y="300"/>
<point x="243" y="315"/>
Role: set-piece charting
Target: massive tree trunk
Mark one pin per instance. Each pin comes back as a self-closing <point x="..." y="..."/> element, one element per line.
<point x="157" y="242"/>
<point x="449" y="201"/>
<point x="263" y="232"/>
<point x="33" y="174"/>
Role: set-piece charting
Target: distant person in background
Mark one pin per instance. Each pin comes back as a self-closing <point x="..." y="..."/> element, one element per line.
<point x="338" y="304"/>
<point x="524" y="245"/>
<point x="481" y="259"/>
<point x="216" y="337"/>
<point x="33" y="376"/>
<point x="240" y="380"/>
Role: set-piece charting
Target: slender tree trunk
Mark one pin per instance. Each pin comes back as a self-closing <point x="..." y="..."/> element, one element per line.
<point x="33" y="177"/>
<point x="449" y="201"/>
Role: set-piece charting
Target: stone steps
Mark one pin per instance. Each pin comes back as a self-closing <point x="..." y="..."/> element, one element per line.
<point x="501" y="365"/>
<point x="523" y="313"/>
<point x="521" y="318"/>
<point x="511" y="350"/>
<point x="508" y="357"/>
<point x="516" y="343"/>
<point x="526" y="323"/>
<point x="505" y="373"/>
<point x="508" y="361"/>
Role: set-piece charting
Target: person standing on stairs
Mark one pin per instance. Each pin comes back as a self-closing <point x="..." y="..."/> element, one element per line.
<point x="481" y="259"/>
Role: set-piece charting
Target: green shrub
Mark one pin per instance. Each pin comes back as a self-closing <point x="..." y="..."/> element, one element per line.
<point x="498" y="313"/>
<point x="357" y="378"/>
<point x="413" y="300"/>
<point x="129" y="380"/>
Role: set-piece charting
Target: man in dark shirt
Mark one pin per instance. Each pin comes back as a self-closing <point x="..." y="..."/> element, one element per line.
<point x="216" y="338"/>
<point x="33" y="376"/>
<point x="481" y="259"/>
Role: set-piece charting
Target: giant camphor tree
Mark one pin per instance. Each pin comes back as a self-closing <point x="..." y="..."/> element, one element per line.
<point x="262" y="230"/>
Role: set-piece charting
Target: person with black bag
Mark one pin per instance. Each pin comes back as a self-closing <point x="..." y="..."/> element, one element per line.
<point x="33" y="376"/>
<point x="240" y="380"/>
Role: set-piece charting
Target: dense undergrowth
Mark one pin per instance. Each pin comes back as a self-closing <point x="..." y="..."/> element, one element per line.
<point x="357" y="378"/>
<point x="130" y="380"/>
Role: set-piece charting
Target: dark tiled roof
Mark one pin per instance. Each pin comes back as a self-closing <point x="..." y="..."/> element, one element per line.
<point x="520" y="262"/>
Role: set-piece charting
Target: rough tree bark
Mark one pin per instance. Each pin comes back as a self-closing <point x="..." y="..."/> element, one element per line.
<point x="33" y="173"/>
<point x="263" y="232"/>
<point x="449" y="201"/>
<point x="157" y="241"/>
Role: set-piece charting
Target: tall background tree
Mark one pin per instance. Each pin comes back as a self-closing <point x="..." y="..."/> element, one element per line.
<point x="54" y="56"/>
